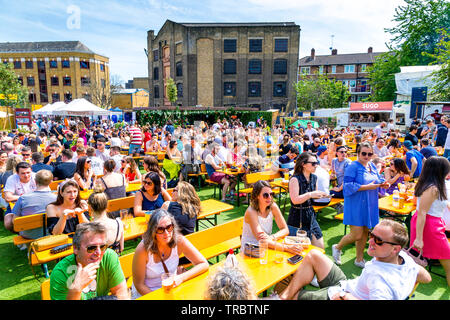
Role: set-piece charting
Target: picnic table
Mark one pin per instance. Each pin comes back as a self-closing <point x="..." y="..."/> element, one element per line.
<point x="84" y="194"/>
<point x="238" y="173"/>
<point x="263" y="277"/>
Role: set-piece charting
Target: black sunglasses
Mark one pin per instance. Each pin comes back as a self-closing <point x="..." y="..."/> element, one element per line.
<point x="161" y="230"/>
<point x="147" y="182"/>
<point x="267" y="194"/>
<point x="91" y="249"/>
<point x="378" y="241"/>
<point x="366" y="154"/>
<point x="313" y="163"/>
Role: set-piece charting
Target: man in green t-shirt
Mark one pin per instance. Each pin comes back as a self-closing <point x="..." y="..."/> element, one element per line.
<point x="92" y="271"/>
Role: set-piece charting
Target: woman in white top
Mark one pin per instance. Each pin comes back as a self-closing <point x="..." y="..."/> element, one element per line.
<point x="160" y="248"/>
<point x="258" y="220"/>
<point x="427" y="224"/>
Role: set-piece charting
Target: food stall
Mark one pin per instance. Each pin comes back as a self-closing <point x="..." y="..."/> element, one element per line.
<point x="370" y="114"/>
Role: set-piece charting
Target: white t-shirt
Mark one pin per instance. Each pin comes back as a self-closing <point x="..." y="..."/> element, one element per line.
<point x="210" y="159"/>
<point x="96" y="165"/>
<point x="116" y="142"/>
<point x="118" y="160"/>
<point x="223" y="154"/>
<point x="18" y="188"/>
<point x="383" y="152"/>
<point x="310" y="132"/>
<point x="382" y="281"/>
<point x="323" y="182"/>
<point x="102" y="155"/>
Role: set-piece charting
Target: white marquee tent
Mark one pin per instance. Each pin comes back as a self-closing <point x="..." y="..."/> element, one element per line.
<point x="81" y="107"/>
<point x="48" y="109"/>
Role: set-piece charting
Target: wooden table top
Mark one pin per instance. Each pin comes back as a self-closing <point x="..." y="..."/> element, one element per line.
<point x="213" y="206"/>
<point x="262" y="276"/>
<point x="84" y="194"/>
<point x="385" y="203"/>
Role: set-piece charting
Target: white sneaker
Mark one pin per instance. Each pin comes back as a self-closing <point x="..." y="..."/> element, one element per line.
<point x="314" y="282"/>
<point x="360" y="264"/>
<point x="336" y="254"/>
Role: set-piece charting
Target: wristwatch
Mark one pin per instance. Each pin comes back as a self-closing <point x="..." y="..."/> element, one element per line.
<point x="342" y="295"/>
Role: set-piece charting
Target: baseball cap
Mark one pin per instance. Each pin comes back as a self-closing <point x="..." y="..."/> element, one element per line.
<point x="321" y="150"/>
<point x="408" y="144"/>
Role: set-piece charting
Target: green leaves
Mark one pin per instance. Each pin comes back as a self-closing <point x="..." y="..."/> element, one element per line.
<point x="13" y="93"/>
<point x="320" y="92"/>
<point x="172" y="93"/>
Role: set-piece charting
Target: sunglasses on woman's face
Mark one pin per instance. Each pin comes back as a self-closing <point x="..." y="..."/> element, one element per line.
<point x="160" y="230"/>
<point x="364" y="154"/>
<point x="92" y="249"/>
<point x="378" y="241"/>
<point x="266" y="195"/>
<point x="313" y="163"/>
<point x="149" y="183"/>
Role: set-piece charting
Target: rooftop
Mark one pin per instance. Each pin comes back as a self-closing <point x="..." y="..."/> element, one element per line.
<point x="47" y="46"/>
<point x="348" y="58"/>
<point x="238" y="24"/>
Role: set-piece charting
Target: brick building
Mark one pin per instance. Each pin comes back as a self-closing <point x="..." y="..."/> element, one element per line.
<point x="224" y="64"/>
<point x="351" y="69"/>
<point x="58" y="71"/>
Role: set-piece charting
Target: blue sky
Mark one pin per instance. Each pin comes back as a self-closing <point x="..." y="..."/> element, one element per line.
<point x="118" y="29"/>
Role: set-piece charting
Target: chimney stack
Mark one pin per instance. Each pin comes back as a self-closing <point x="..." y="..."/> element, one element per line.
<point x="369" y="50"/>
<point x="334" y="52"/>
<point x="313" y="54"/>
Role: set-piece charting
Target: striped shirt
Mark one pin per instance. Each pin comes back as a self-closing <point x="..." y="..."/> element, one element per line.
<point x="136" y="135"/>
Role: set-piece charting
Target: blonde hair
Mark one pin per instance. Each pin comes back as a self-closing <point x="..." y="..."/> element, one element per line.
<point x="229" y="283"/>
<point x="98" y="200"/>
<point x="188" y="199"/>
<point x="12" y="162"/>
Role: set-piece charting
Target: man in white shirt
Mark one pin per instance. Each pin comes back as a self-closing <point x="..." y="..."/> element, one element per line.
<point x="117" y="157"/>
<point x="379" y="129"/>
<point x="310" y="131"/>
<point x="390" y="275"/>
<point x="96" y="162"/>
<point x="101" y="151"/>
<point x="380" y="149"/>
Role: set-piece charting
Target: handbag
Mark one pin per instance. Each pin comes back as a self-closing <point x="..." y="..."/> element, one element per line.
<point x="48" y="242"/>
<point x="416" y="256"/>
<point x="251" y="250"/>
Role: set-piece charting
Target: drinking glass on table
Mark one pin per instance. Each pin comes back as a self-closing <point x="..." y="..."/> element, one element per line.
<point x="167" y="280"/>
<point x="279" y="253"/>
<point x="263" y="251"/>
<point x="302" y="236"/>
<point x="125" y="217"/>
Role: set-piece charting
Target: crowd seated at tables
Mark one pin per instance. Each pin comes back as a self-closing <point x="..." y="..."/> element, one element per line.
<point x="358" y="166"/>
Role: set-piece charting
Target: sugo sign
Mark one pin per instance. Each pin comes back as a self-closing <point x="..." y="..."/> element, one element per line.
<point x="369" y="106"/>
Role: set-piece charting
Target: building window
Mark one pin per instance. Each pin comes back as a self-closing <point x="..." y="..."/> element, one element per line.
<point x="55" y="97"/>
<point x="29" y="64"/>
<point x="255" y="45"/>
<point x="320" y="69"/>
<point x="85" y="81"/>
<point x="349" y="68"/>
<point x="364" y="68"/>
<point x="179" y="48"/>
<point x="279" y="89"/>
<point x="155" y="55"/>
<point x="179" y="69"/>
<point x="67" y="81"/>
<point x="304" y="70"/>
<point x="43" y="97"/>
<point x="65" y="64"/>
<point x="254" y="89"/>
<point x="53" y="64"/>
<point x="67" y="97"/>
<point x="156" y="90"/>
<point x="17" y="65"/>
<point x="30" y="81"/>
<point x="32" y="97"/>
<point x="179" y="90"/>
<point x="333" y="69"/>
<point x="20" y="80"/>
<point x="102" y="67"/>
<point x="254" y="66"/>
<point x="84" y="64"/>
<point x="155" y="73"/>
<point x="54" y="81"/>
<point x="229" y="66"/>
<point x="281" y="45"/>
<point x="87" y="96"/>
<point x="229" y="45"/>
<point x="229" y="89"/>
<point x="103" y="83"/>
<point x="280" y="66"/>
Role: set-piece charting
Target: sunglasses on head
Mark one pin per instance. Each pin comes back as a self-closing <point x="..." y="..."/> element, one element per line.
<point x="378" y="241"/>
<point x="161" y="230"/>
<point x="267" y="194"/>
<point x="91" y="249"/>
<point x="366" y="154"/>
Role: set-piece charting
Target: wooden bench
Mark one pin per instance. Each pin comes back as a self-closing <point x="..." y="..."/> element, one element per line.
<point x="199" y="175"/>
<point x="29" y="222"/>
<point x="54" y="184"/>
<point x="120" y="203"/>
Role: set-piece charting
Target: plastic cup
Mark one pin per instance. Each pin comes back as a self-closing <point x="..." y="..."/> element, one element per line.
<point x="263" y="252"/>
<point x="279" y="257"/>
<point x="167" y="280"/>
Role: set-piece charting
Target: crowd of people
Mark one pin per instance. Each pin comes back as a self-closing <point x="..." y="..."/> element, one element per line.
<point x="45" y="171"/>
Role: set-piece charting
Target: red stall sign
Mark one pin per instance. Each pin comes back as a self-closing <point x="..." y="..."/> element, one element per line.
<point x="372" y="106"/>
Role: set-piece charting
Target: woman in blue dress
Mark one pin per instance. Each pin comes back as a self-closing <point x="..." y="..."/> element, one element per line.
<point x="151" y="196"/>
<point x="361" y="183"/>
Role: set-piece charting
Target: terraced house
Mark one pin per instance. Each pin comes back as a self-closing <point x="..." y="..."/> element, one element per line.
<point x="58" y="71"/>
<point x="350" y="68"/>
<point x="224" y="64"/>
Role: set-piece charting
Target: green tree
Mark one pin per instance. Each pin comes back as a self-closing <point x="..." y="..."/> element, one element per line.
<point x="172" y="93"/>
<point x="11" y="90"/>
<point x="416" y="33"/>
<point x="441" y="89"/>
<point x="320" y="92"/>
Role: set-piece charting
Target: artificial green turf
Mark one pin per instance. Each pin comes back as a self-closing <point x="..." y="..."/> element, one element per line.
<point x="18" y="283"/>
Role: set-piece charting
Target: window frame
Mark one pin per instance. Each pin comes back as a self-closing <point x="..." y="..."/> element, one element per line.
<point x="27" y="64"/>
<point x="63" y="62"/>
<point x="229" y="61"/>
<point x="347" y="66"/>
<point x="65" y="84"/>
<point x="280" y="60"/>
<point x="257" y="47"/>
<point x="226" y="48"/>
<point x="57" y="81"/>
<point x="252" y="69"/>
<point x="258" y="89"/>
<point x="28" y="82"/>
<point x="284" y="89"/>
<point x="233" y="88"/>
<point x="277" y="48"/>
<point x="51" y="66"/>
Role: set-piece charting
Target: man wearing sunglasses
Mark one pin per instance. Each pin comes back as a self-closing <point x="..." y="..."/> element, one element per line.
<point x="390" y="275"/>
<point x="91" y="271"/>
